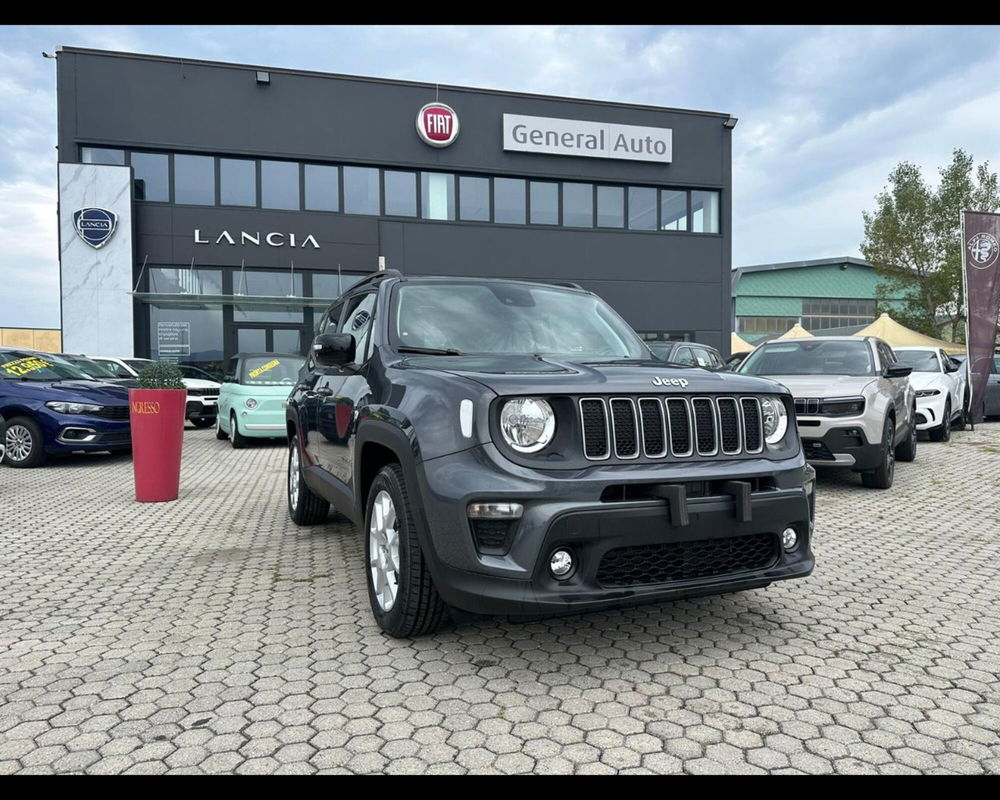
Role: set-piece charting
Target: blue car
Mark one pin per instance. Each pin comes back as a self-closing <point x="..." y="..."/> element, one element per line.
<point x="50" y="407"/>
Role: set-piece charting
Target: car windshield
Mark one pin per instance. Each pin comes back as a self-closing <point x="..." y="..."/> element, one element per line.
<point x="277" y="370"/>
<point x="806" y="357"/>
<point x="500" y="318"/>
<point x="194" y="372"/>
<point x="138" y="364"/>
<point x="28" y="366"/>
<point x="94" y="369"/>
<point x="920" y="360"/>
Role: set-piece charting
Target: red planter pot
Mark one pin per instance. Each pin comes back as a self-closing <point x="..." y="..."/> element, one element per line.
<point x="157" y="418"/>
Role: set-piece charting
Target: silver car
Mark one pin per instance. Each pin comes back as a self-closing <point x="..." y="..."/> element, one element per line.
<point x="854" y="403"/>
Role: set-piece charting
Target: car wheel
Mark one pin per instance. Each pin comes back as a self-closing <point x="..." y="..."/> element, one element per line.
<point x="400" y="589"/>
<point x="25" y="446"/>
<point x="942" y="433"/>
<point x="202" y="422"/>
<point x="906" y="450"/>
<point x="881" y="477"/>
<point x="219" y="433"/>
<point x="236" y="439"/>
<point x="304" y="506"/>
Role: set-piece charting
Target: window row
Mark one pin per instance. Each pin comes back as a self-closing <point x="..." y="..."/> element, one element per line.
<point x="824" y="323"/>
<point x="289" y="185"/>
<point x="765" y="324"/>
<point x="862" y="308"/>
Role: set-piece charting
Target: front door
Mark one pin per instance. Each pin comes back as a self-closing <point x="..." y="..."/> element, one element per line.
<point x="258" y="338"/>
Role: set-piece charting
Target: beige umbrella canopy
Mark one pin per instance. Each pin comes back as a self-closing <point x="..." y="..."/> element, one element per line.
<point x="796" y="332"/>
<point x="738" y="345"/>
<point x="896" y="335"/>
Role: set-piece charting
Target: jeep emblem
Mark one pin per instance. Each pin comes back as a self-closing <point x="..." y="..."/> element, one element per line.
<point x="658" y="381"/>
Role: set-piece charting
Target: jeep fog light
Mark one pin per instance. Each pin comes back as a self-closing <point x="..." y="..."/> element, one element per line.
<point x="789" y="539"/>
<point x="495" y="510"/>
<point x="561" y="564"/>
<point x="527" y="424"/>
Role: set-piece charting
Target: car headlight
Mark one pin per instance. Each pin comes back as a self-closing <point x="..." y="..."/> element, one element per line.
<point x="250" y="403"/>
<point x="775" y="419"/>
<point x="72" y="408"/>
<point x="527" y="423"/>
<point x="928" y="392"/>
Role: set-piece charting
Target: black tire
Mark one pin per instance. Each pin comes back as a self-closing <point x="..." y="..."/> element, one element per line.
<point x="202" y="422"/>
<point x="236" y="439"/>
<point x="306" y="508"/>
<point x="219" y="433"/>
<point x="24" y="432"/>
<point x="417" y="609"/>
<point x="881" y="477"/>
<point x="942" y="433"/>
<point x="906" y="450"/>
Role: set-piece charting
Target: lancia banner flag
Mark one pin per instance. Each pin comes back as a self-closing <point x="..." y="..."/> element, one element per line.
<point x="981" y="269"/>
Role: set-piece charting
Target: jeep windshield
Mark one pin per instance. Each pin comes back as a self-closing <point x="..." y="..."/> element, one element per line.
<point x="810" y="358"/>
<point x="277" y="370"/>
<point x="498" y="318"/>
<point x="28" y="366"/>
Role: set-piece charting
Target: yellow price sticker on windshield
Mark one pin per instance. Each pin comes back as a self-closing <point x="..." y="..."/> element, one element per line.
<point x="256" y="373"/>
<point x="22" y="366"/>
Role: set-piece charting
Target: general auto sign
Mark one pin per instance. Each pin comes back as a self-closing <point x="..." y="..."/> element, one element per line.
<point x="437" y="124"/>
<point x="576" y="137"/>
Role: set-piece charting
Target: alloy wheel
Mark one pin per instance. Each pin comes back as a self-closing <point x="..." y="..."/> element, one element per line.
<point x="19" y="442"/>
<point x="383" y="550"/>
<point x="293" y="475"/>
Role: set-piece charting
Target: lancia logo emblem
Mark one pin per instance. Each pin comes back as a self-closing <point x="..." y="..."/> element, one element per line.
<point x="95" y="225"/>
<point x="658" y="381"/>
<point x="983" y="248"/>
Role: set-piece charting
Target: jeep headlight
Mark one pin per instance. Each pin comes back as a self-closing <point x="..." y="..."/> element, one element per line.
<point x="72" y="408"/>
<point x="775" y="418"/>
<point x="527" y="423"/>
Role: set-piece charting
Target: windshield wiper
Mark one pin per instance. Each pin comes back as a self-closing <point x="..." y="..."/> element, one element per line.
<point x="429" y="351"/>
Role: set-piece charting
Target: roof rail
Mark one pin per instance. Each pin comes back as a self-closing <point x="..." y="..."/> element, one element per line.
<point x="548" y="282"/>
<point x="377" y="276"/>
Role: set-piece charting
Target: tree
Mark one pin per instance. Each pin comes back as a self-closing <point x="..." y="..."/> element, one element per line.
<point x="913" y="239"/>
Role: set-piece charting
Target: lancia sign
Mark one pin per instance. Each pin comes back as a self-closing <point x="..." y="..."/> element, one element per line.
<point x="95" y="225"/>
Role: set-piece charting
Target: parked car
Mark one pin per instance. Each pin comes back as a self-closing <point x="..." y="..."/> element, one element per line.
<point x="853" y="401"/>
<point x="992" y="397"/>
<point x="50" y="407"/>
<point x="941" y="389"/>
<point x="202" y="393"/>
<point x="98" y="370"/>
<point x="734" y="361"/>
<point x="497" y="469"/>
<point x="690" y="354"/>
<point x="191" y="371"/>
<point x="253" y="395"/>
<point x="3" y="430"/>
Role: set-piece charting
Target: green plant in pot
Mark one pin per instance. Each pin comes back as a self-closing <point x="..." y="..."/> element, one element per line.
<point x="156" y="411"/>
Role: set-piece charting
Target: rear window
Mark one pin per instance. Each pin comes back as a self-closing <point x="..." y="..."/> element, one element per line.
<point x="271" y="370"/>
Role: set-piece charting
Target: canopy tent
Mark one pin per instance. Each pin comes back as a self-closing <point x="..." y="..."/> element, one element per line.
<point x="896" y="335"/>
<point x="738" y="345"/>
<point x="796" y="332"/>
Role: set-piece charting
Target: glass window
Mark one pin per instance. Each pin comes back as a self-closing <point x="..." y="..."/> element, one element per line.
<point x="194" y="180"/>
<point x="358" y="323"/>
<point x="544" y="203"/>
<point x="400" y="193"/>
<point x="102" y="155"/>
<point x="705" y="212"/>
<point x="331" y="286"/>
<point x="287" y="340"/>
<point x="188" y="334"/>
<point x="237" y="182"/>
<point x="279" y="184"/>
<point x="361" y="191"/>
<point x="474" y="202"/>
<point x="578" y="205"/>
<point x="684" y="355"/>
<point x="322" y="188"/>
<point x="610" y="207"/>
<point x="437" y="195"/>
<point x="641" y="208"/>
<point x="153" y="170"/>
<point x="255" y="283"/>
<point x="673" y="210"/>
<point x="805" y="357"/>
<point x="171" y="280"/>
<point x="508" y="200"/>
<point x="251" y="340"/>
<point x="270" y="371"/>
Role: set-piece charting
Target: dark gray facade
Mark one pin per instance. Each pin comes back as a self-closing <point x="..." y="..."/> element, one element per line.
<point x="664" y="282"/>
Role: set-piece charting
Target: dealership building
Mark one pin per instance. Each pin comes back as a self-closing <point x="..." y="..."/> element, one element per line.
<point x="207" y="208"/>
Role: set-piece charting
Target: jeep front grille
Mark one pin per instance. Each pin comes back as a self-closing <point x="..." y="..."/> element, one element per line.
<point x="657" y="427"/>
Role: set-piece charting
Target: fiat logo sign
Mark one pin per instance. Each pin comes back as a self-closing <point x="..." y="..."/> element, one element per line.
<point x="437" y="124"/>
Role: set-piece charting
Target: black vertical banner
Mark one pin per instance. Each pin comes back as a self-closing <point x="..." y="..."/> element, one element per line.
<point x="981" y="270"/>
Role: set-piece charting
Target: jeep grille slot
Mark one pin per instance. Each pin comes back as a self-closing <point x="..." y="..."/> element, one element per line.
<point x="680" y="426"/>
<point x="729" y="424"/>
<point x="654" y="440"/>
<point x="594" y="417"/>
<point x="623" y="423"/>
<point x="704" y="425"/>
<point x="752" y="424"/>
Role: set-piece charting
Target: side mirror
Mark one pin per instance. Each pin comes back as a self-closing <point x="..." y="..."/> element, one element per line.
<point x="333" y="349"/>
<point x="897" y="371"/>
<point x="229" y="379"/>
<point x="951" y="366"/>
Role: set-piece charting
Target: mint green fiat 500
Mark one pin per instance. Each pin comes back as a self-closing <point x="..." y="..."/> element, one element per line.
<point x="253" y="394"/>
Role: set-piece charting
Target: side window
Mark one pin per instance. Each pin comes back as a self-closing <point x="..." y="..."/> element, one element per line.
<point x="885" y="355"/>
<point x="358" y="322"/>
<point x="330" y="319"/>
<point x="684" y="356"/>
<point x="715" y="359"/>
<point x="702" y="357"/>
<point x="231" y="368"/>
<point x="120" y="371"/>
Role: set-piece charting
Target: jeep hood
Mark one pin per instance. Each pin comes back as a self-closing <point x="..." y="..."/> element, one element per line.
<point x="824" y="385"/>
<point x="507" y="375"/>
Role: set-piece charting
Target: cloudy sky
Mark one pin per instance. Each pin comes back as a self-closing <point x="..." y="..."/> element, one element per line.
<point x="824" y="113"/>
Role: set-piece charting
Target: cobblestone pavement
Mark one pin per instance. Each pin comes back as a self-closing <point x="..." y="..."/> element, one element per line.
<point x="212" y="635"/>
